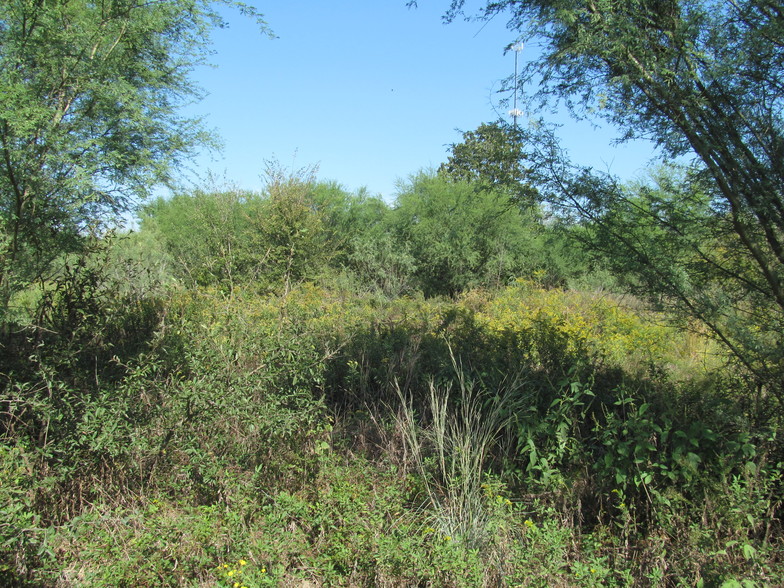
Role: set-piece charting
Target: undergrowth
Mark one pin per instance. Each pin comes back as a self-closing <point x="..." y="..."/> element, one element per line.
<point x="525" y="437"/>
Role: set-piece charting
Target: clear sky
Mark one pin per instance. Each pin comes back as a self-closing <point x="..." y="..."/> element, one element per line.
<point x="370" y="91"/>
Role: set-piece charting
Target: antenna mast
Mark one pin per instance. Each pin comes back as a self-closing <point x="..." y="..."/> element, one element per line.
<point x="515" y="112"/>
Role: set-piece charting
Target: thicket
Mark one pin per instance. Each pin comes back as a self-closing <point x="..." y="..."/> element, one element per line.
<point x="310" y="385"/>
<point x="520" y="372"/>
<point x="305" y="385"/>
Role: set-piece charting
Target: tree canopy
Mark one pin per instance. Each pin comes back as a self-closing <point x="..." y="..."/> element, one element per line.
<point x="90" y="97"/>
<point x="493" y="155"/>
<point x="461" y="237"/>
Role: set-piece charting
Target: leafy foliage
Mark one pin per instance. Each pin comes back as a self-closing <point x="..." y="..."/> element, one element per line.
<point x="669" y="241"/>
<point x="295" y="230"/>
<point x="257" y="428"/>
<point x="701" y="79"/>
<point x="89" y="96"/>
<point x="462" y="237"/>
<point x="493" y="155"/>
<point x="207" y="236"/>
<point x="311" y="386"/>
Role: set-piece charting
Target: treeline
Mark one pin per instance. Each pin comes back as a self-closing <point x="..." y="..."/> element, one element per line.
<point x="440" y="237"/>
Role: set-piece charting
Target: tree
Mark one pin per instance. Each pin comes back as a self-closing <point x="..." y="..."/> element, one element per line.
<point x="347" y="216"/>
<point x="703" y="79"/>
<point x="289" y="232"/>
<point x="493" y="157"/>
<point x="665" y="241"/>
<point x="382" y="263"/>
<point x="459" y="237"/>
<point x="208" y="235"/>
<point x="292" y="229"/>
<point x="90" y="92"/>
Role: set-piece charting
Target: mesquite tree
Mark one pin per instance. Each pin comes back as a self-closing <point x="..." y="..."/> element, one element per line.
<point x="90" y="97"/>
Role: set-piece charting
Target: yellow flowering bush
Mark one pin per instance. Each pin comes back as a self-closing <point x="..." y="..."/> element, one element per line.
<point x="549" y="326"/>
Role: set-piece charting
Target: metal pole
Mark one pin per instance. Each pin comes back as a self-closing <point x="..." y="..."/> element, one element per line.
<point x="515" y="112"/>
<point x="515" y="89"/>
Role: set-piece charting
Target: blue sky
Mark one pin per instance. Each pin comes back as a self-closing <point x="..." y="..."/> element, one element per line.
<point x="370" y="91"/>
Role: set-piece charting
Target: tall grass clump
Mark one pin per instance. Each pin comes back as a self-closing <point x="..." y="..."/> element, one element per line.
<point x="451" y="453"/>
